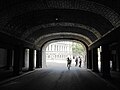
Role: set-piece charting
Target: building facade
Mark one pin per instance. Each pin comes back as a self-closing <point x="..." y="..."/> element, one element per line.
<point x="59" y="51"/>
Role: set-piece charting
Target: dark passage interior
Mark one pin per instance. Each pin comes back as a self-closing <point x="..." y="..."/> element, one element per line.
<point x="37" y="37"/>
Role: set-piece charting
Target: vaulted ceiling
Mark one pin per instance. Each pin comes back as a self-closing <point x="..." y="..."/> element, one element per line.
<point x="39" y="21"/>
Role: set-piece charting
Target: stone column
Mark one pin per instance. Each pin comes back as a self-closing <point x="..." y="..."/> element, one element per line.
<point x="9" y="59"/>
<point x="38" y="59"/>
<point x="95" y="60"/>
<point x="113" y="57"/>
<point x="18" y="59"/>
<point x="89" y="59"/>
<point x="23" y="62"/>
<point x="31" y="59"/>
<point x="26" y="59"/>
<point x="105" y="61"/>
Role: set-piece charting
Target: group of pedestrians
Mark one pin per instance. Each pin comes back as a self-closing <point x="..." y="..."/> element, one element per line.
<point x="78" y="62"/>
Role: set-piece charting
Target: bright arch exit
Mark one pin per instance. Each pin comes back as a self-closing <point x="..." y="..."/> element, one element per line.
<point x="55" y="54"/>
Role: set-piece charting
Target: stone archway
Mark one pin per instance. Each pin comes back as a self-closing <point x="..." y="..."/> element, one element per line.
<point x="44" y="59"/>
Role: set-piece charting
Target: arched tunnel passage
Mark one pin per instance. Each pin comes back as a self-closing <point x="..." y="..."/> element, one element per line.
<point x="56" y="52"/>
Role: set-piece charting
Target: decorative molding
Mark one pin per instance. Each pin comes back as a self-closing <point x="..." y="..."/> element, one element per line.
<point x="90" y="29"/>
<point x="62" y="35"/>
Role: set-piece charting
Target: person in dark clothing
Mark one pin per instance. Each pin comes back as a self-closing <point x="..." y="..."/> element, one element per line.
<point x="80" y="61"/>
<point x="76" y="61"/>
<point x="69" y="63"/>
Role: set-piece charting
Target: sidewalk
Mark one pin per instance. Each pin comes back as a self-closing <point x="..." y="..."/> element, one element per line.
<point x="114" y="80"/>
<point x="7" y="75"/>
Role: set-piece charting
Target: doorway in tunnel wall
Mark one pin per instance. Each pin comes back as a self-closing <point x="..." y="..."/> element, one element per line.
<point x="55" y="54"/>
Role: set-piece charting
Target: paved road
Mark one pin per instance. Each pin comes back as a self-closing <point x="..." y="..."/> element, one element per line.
<point x="58" y="79"/>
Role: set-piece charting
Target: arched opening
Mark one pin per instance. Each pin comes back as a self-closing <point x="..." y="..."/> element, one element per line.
<point x="56" y="52"/>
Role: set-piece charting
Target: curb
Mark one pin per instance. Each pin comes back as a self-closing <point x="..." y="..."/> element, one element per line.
<point x="109" y="84"/>
<point x="16" y="77"/>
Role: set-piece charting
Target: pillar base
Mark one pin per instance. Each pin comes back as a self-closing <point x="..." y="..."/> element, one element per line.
<point x="38" y="66"/>
<point x="31" y="69"/>
<point x="97" y="71"/>
<point x="17" y="73"/>
<point x="106" y="76"/>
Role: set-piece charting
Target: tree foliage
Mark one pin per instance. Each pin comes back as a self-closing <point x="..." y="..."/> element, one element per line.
<point x="78" y="49"/>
